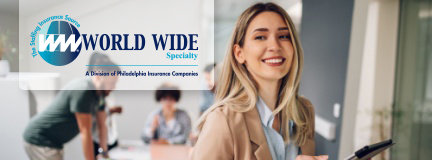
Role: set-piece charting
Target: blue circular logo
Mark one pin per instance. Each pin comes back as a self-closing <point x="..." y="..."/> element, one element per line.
<point x="59" y="43"/>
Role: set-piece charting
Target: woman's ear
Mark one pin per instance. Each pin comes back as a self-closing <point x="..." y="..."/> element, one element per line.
<point x="238" y="53"/>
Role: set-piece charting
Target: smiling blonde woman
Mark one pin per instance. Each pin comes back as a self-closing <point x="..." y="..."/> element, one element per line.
<point x="257" y="112"/>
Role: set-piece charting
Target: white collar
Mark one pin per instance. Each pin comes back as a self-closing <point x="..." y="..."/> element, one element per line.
<point x="265" y="113"/>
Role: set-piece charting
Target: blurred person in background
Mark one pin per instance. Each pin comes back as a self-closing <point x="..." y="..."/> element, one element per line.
<point x="168" y="124"/>
<point x="208" y="92"/>
<point x="110" y="110"/>
<point x="71" y="114"/>
<point x="111" y="124"/>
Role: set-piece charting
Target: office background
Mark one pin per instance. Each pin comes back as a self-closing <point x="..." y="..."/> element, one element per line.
<point x="368" y="72"/>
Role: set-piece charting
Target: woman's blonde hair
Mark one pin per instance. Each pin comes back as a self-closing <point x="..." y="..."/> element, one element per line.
<point x="238" y="90"/>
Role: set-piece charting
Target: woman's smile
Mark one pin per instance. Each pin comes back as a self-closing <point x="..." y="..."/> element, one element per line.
<point x="274" y="61"/>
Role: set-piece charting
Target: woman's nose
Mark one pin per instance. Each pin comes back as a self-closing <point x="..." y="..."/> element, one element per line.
<point x="273" y="45"/>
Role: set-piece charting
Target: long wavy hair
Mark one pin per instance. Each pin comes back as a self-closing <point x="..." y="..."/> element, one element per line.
<point x="238" y="91"/>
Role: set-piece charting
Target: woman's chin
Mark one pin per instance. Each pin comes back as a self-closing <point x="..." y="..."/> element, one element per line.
<point x="274" y="77"/>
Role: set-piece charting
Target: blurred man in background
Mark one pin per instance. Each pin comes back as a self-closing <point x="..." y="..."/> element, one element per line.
<point x="110" y="123"/>
<point x="110" y="108"/>
<point x="71" y="114"/>
<point x="208" y="92"/>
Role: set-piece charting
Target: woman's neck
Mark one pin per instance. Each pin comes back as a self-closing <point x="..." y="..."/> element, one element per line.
<point x="168" y="114"/>
<point x="268" y="91"/>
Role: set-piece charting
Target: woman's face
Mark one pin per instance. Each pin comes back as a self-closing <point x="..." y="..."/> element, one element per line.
<point x="168" y="103"/>
<point x="267" y="50"/>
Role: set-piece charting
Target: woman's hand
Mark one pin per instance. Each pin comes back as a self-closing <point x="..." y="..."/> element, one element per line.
<point x="305" y="157"/>
<point x="155" y="123"/>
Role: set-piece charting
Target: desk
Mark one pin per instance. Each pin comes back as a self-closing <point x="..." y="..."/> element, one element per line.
<point x="168" y="152"/>
<point x="137" y="150"/>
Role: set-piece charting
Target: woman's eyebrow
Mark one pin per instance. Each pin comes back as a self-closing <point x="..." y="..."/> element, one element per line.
<point x="261" y="30"/>
<point x="266" y="29"/>
<point x="283" y="28"/>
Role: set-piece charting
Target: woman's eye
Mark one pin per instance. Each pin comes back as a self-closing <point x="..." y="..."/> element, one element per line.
<point x="259" y="37"/>
<point x="285" y="37"/>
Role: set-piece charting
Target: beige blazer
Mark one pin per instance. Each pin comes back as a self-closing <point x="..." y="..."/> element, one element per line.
<point x="230" y="135"/>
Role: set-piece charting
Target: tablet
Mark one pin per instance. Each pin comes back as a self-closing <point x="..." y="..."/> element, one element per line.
<point x="370" y="151"/>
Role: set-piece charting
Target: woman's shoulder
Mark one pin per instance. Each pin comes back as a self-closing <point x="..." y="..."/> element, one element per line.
<point x="226" y="117"/>
<point x="224" y="112"/>
<point x="224" y="122"/>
